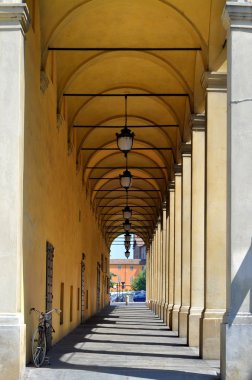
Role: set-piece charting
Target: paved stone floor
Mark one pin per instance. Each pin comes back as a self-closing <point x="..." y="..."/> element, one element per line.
<point x="125" y="342"/>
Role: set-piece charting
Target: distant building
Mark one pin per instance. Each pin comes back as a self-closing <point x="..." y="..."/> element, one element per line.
<point x="125" y="270"/>
<point x="139" y="248"/>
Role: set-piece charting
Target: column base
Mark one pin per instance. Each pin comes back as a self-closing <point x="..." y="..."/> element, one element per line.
<point x="175" y="317"/>
<point x="236" y="338"/>
<point x="148" y="302"/>
<point x="183" y="321"/>
<point x="195" y="315"/>
<point x="155" y="307"/>
<point x="166" y="314"/>
<point x="152" y="305"/>
<point x="170" y="308"/>
<point x="210" y="339"/>
<point x="160" y="310"/>
<point x="12" y="348"/>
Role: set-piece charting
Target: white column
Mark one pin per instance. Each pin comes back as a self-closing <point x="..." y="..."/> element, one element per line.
<point x="164" y="265"/>
<point x="216" y="212"/>
<point x="159" y="253"/>
<point x="154" y="290"/>
<point x="186" y="240"/>
<point x="166" y="312"/>
<point x="177" y="249"/>
<point x="156" y="271"/>
<point x="147" y="275"/>
<point x="236" y="360"/>
<point x="13" y="24"/>
<point x="198" y="229"/>
<point x="171" y="253"/>
<point x="150" y="287"/>
<point x="150" y="276"/>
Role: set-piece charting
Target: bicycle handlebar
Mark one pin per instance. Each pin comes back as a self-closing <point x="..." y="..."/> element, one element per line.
<point x="58" y="311"/>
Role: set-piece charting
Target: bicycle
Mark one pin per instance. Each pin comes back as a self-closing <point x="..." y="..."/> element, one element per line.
<point x="39" y="341"/>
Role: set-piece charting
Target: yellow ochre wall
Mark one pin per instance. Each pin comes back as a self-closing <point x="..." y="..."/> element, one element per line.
<point x="56" y="207"/>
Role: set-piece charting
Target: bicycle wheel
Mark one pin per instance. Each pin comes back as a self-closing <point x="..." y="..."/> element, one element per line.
<point x="38" y="347"/>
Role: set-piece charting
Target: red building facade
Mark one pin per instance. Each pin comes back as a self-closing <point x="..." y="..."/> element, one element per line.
<point x="125" y="270"/>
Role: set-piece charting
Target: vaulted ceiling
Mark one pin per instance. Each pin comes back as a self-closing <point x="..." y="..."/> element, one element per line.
<point x="155" y="51"/>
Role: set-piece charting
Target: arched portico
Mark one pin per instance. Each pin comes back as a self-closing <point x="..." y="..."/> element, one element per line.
<point x="71" y="74"/>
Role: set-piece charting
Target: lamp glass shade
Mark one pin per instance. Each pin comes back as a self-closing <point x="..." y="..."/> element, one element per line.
<point x="126" y="225"/>
<point x="127" y="237"/>
<point x="127" y="213"/>
<point x="125" y="140"/>
<point x="127" y="254"/>
<point x="126" y="179"/>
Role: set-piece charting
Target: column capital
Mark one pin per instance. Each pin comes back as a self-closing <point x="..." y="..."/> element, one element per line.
<point x="198" y="122"/>
<point x="171" y="186"/>
<point x="214" y="81"/>
<point x="14" y="16"/>
<point x="164" y="205"/>
<point x="186" y="150"/>
<point x="177" y="170"/>
<point x="237" y="14"/>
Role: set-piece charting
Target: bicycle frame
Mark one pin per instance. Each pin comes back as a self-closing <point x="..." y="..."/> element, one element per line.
<point x="43" y="328"/>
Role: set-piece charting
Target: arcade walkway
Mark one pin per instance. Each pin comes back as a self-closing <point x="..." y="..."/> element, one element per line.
<point x="125" y="342"/>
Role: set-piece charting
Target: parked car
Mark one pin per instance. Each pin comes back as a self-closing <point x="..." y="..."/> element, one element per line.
<point x="113" y="297"/>
<point x="116" y="297"/>
<point x="139" y="296"/>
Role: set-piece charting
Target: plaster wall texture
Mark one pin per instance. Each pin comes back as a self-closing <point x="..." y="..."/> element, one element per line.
<point x="56" y="205"/>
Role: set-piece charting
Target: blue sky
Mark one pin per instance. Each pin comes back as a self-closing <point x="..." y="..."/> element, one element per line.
<point x="118" y="251"/>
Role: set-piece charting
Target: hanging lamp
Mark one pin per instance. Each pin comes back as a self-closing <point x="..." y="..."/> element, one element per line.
<point x="126" y="179"/>
<point x="125" y="138"/>
<point x="127" y="212"/>
<point x="127" y="254"/>
<point x="127" y="245"/>
<point x="126" y="225"/>
<point x="127" y="236"/>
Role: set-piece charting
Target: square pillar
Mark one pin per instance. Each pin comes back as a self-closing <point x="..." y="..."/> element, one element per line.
<point x="166" y="312"/>
<point x="171" y="252"/>
<point x="164" y="262"/>
<point x="154" y="251"/>
<point x="156" y="271"/>
<point x="14" y="22"/>
<point x="236" y="338"/>
<point x="198" y="229"/>
<point x="177" y="249"/>
<point x="186" y="240"/>
<point x="159" y="266"/>
<point x="151" y="275"/>
<point x="216" y="207"/>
